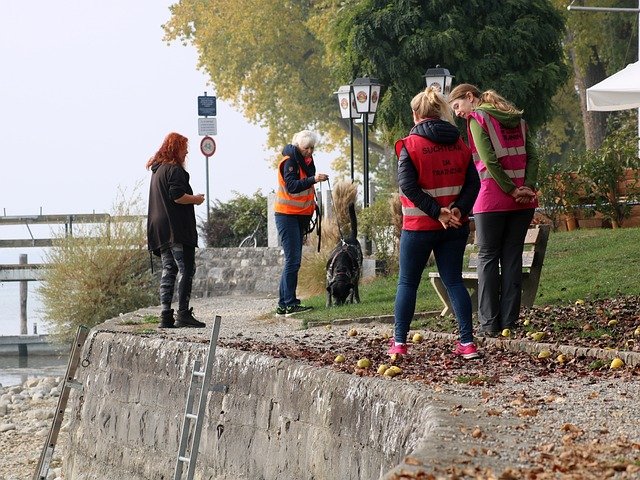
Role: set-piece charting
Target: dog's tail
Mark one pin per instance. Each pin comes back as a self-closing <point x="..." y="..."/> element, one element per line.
<point x="354" y="220"/>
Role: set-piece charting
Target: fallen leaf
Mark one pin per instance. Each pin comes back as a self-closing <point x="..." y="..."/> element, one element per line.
<point x="527" y="412"/>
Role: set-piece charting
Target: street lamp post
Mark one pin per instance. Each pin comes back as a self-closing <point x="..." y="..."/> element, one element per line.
<point x="439" y="78"/>
<point x="366" y="92"/>
<point x="347" y="105"/>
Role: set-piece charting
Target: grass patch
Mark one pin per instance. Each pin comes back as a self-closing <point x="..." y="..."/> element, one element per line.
<point x="150" y="319"/>
<point x="145" y="331"/>
<point x="596" y="333"/>
<point x="582" y="264"/>
<point x="147" y="319"/>
<point x="595" y="263"/>
<point x="435" y="323"/>
<point x="597" y="364"/>
<point x="378" y="298"/>
<point x="566" y="325"/>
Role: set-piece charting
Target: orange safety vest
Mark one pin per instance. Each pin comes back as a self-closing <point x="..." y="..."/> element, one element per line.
<point x="301" y="203"/>
<point x="509" y="147"/>
<point x="442" y="169"/>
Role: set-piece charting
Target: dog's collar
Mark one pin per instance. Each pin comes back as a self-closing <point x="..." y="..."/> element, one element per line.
<point x="341" y="273"/>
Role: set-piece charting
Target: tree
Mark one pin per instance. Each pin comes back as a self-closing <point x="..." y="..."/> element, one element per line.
<point x="281" y="63"/>
<point x="563" y="133"/>
<point x="232" y="221"/>
<point x="511" y="46"/>
<point x="598" y="44"/>
<point x="262" y="56"/>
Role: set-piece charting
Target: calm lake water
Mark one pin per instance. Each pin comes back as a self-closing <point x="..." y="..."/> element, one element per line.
<point x="14" y="370"/>
<point x="10" y="295"/>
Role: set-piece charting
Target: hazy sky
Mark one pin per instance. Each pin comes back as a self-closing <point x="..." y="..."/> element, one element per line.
<point x="88" y="90"/>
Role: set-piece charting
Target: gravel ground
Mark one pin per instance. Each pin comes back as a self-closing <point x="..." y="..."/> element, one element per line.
<point x="505" y="416"/>
<point x="26" y="414"/>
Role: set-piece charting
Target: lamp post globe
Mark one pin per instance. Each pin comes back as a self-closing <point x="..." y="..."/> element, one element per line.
<point x="366" y="92"/>
<point x="347" y="106"/>
<point x="439" y="78"/>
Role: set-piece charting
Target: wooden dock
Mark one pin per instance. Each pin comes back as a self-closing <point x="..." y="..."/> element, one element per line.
<point x="35" y="272"/>
<point x="20" y="272"/>
<point x="27" y="345"/>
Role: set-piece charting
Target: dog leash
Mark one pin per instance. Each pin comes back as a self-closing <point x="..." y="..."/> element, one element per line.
<point x="319" y="215"/>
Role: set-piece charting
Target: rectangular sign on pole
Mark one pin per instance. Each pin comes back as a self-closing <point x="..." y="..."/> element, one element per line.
<point x="206" y="106"/>
<point x="207" y="126"/>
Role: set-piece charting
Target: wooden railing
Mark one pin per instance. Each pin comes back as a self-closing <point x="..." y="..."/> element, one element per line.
<point x="68" y="220"/>
<point x="33" y="272"/>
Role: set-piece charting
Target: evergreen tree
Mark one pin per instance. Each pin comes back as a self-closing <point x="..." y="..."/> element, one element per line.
<point x="511" y="46"/>
<point x="230" y="222"/>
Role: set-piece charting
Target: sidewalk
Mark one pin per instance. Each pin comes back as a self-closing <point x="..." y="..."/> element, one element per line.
<point x="496" y="420"/>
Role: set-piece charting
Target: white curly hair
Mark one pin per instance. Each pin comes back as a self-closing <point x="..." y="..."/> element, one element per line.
<point x="305" y="138"/>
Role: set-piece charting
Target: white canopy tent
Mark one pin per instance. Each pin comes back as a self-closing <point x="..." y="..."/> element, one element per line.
<point x="620" y="91"/>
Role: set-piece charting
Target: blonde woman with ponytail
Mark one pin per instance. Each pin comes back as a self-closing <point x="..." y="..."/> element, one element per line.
<point x="508" y="167"/>
<point x="438" y="186"/>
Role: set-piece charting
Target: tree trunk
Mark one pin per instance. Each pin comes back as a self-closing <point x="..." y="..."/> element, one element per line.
<point x="594" y="122"/>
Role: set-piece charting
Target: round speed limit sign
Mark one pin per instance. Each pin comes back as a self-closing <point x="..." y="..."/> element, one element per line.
<point x="208" y="146"/>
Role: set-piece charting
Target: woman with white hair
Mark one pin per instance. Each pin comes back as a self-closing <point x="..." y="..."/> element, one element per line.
<point x="294" y="206"/>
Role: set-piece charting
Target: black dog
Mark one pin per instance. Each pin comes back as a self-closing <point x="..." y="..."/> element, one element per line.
<point x="344" y="267"/>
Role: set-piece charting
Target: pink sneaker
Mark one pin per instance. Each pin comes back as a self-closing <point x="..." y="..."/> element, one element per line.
<point x="466" y="351"/>
<point x="397" y="348"/>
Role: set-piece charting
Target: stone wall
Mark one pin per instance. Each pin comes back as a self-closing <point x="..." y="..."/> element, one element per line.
<point x="243" y="271"/>
<point x="279" y="419"/>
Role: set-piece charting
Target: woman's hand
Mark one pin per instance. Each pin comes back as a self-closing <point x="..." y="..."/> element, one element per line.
<point x="523" y="194"/>
<point x="456" y="215"/>
<point x="320" y="177"/>
<point x="448" y="219"/>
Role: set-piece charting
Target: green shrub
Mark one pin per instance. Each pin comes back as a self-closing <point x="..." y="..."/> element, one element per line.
<point x="605" y="172"/>
<point x="380" y="226"/>
<point x="560" y="188"/>
<point x="234" y="220"/>
<point x="99" y="273"/>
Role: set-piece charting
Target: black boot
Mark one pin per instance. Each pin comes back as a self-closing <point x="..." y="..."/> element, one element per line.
<point x="166" y="319"/>
<point x="185" y="318"/>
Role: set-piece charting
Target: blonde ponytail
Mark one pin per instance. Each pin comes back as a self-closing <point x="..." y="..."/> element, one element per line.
<point x="430" y="103"/>
<point x="499" y="102"/>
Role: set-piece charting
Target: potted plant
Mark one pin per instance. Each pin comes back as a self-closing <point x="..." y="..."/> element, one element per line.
<point x="560" y="192"/>
<point x="611" y="175"/>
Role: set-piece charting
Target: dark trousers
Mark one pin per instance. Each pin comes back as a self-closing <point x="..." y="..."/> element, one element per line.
<point x="177" y="259"/>
<point x="500" y="239"/>
<point x="291" y="230"/>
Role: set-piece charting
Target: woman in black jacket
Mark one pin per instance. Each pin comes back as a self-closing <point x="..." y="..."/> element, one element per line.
<point x="171" y="228"/>
<point x="438" y="186"/>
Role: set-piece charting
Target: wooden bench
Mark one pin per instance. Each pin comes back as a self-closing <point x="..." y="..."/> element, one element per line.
<point x="535" y="247"/>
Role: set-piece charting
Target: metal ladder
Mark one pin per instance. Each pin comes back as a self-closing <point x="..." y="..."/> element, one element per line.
<point x="189" y="415"/>
<point x="69" y="382"/>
